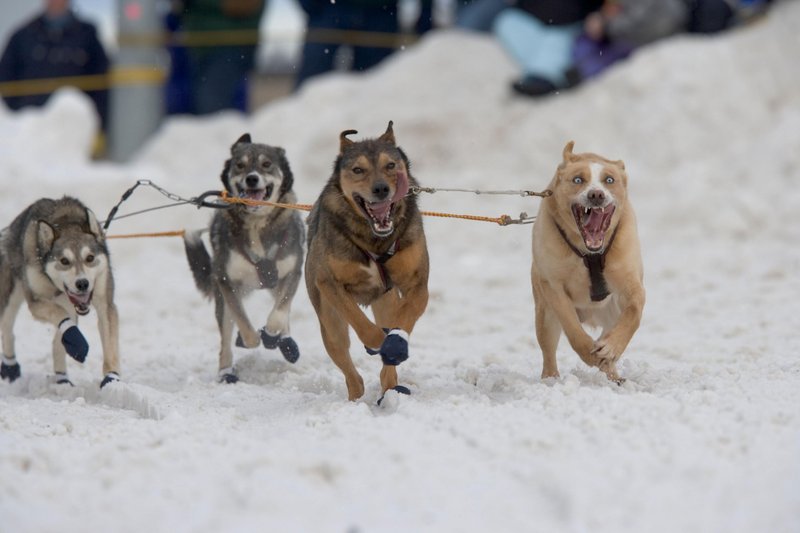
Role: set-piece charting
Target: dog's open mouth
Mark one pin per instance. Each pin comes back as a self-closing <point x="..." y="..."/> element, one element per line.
<point x="258" y="195"/>
<point x="379" y="215"/>
<point x="593" y="222"/>
<point x="80" y="300"/>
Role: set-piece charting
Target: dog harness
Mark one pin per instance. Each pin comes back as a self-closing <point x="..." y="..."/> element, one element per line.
<point x="380" y="262"/>
<point x="595" y="262"/>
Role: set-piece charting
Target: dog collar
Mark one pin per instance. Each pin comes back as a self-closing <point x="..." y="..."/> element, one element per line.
<point x="595" y="263"/>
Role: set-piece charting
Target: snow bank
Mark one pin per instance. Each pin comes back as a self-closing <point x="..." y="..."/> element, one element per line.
<point x="704" y="435"/>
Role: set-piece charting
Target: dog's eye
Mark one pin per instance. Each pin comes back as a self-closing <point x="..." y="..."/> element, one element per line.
<point x="65" y="261"/>
<point x="577" y="180"/>
<point x="239" y="165"/>
<point x="266" y="164"/>
<point x="90" y="258"/>
<point x="358" y="170"/>
<point x="391" y="165"/>
<point x="609" y="180"/>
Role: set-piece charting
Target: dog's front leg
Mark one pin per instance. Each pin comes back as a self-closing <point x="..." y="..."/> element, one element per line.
<point x="67" y="333"/>
<point x="392" y="311"/>
<point x="250" y="337"/>
<point x="108" y="323"/>
<point x="610" y="346"/>
<point x="561" y="304"/>
<point x="335" y="295"/>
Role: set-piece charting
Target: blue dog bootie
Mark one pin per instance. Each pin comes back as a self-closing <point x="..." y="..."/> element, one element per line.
<point x="9" y="368"/>
<point x="227" y="375"/>
<point x="394" y="349"/>
<point x="287" y="345"/>
<point x="73" y="340"/>
<point x="111" y="377"/>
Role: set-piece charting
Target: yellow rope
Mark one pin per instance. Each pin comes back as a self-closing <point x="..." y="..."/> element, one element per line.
<point x="502" y="220"/>
<point x="176" y="233"/>
<point x="95" y="82"/>
<point x="225" y="197"/>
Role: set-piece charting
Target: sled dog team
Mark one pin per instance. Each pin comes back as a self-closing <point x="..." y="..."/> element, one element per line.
<point x="366" y="247"/>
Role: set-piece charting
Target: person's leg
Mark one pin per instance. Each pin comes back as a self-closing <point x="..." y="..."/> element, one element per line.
<point x="479" y="15"/>
<point x="541" y="50"/>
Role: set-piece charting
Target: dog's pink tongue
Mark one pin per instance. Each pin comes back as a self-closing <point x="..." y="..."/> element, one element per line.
<point x="380" y="210"/>
<point x="401" y="187"/>
<point x="594" y="224"/>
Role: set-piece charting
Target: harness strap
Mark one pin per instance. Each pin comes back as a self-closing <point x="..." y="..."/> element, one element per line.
<point x="595" y="263"/>
<point x="380" y="261"/>
<point x="266" y="269"/>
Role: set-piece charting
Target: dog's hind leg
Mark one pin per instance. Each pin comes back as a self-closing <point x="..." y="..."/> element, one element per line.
<point x="9" y="367"/>
<point x="548" y="331"/>
<point x="235" y="310"/>
<point x="108" y="322"/>
<point x="336" y="337"/>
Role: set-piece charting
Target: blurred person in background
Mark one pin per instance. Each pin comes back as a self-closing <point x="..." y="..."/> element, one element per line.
<point x="218" y="72"/>
<point x="373" y="24"/>
<point x="615" y="30"/>
<point x="56" y="44"/>
<point x="619" y="27"/>
<point x="539" y="35"/>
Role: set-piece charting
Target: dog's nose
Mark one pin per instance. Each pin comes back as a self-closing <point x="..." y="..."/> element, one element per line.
<point x="251" y="181"/>
<point x="380" y="190"/>
<point x="596" y="197"/>
<point x="82" y="284"/>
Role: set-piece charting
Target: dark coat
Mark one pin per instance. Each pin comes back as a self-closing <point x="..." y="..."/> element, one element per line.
<point x="40" y="50"/>
<point x="560" y="12"/>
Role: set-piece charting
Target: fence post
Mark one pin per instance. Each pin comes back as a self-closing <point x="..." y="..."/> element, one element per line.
<point x="137" y="106"/>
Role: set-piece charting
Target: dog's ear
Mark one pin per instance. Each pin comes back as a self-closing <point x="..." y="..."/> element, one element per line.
<point x="45" y="235"/>
<point x="567" y="153"/>
<point x="344" y="142"/>
<point x="244" y="139"/>
<point x="286" y="170"/>
<point x="388" y="135"/>
<point x="94" y="226"/>
<point x="224" y="176"/>
<point x="620" y="163"/>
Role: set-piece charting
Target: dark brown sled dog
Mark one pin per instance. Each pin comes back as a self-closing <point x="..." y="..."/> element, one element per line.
<point x="366" y="247"/>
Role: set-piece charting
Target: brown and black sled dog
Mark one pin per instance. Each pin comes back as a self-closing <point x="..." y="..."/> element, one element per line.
<point x="587" y="265"/>
<point x="366" y="247"/>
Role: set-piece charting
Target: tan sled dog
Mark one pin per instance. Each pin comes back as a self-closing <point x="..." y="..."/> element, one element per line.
<point x="587" y="265"/>
<point x="366" y="247"/>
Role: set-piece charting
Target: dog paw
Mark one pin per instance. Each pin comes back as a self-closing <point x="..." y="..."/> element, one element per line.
<point x="251" y="341"/>
<point x="73" y="340"/>
<point x="62" y="379"/>
<point x="394" y="349"/>
<point x="111" y="377"/>
<point x="289" y="349"/>
<point x="227" y="375"/>
<point x="9" y="369"/>
<point x="270" y="342"/>
<point x="389" y="398"/>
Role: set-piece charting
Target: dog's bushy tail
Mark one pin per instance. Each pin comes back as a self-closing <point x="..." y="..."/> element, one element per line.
<point x="199" y="261"/>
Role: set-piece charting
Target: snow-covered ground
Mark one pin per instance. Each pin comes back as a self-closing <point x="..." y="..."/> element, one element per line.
<point x="704" y="435"/>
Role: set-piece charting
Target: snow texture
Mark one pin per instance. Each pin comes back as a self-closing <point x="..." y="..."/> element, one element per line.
<point x="703" y="436"/>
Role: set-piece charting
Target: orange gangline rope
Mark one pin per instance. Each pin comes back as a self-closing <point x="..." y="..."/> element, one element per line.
<point x="502" y="220"/>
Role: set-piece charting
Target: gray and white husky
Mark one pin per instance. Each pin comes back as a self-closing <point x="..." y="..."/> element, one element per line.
<point x="54" y="257"/>
<point x="254" y="247"/>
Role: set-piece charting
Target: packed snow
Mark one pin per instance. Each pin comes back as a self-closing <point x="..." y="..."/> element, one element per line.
<point x="703" y="436"/>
